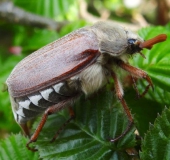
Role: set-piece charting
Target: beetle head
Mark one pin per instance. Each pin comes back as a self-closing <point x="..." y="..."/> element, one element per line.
<point x="133" y="41"/>
<point x="136" y="43"/>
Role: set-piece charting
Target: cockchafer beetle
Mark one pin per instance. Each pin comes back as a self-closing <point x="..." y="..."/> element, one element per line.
<point x="79" y="63"/>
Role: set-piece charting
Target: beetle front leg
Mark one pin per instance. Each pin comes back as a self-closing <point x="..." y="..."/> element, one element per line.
<point x="135" y="86"/>
<point x="119" y="94"/>
<point x="137" y="73"/>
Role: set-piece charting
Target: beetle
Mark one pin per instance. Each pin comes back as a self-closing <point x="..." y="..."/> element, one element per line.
<point x="79" y="63"/>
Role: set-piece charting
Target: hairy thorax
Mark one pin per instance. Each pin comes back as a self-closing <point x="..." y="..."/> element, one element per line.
<point x="96" y="76"/>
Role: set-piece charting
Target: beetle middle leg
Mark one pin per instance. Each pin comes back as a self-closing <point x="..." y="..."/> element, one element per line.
<point x="49" y="111"/>
<point x="119" y="94"/>
<point x="72" y="116"/>
<point x="137" y="73"/>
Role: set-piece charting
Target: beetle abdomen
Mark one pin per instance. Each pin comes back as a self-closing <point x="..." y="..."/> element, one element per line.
<point x="30" y="106"/>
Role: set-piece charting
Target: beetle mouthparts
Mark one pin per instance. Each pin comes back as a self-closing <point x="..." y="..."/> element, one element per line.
<point x="142" y="55"/>
<point x="149" y="43"/>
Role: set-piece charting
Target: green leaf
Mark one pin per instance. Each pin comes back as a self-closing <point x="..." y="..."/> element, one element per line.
<point x="156" y="65"/>
<point x="13" y="148"/>
<point x="156" y="144"/>
<point x="98" y="118"/>
<point x="144" y="110"/>
<point x="157" y="60"/>
<point x="159" y="95"/>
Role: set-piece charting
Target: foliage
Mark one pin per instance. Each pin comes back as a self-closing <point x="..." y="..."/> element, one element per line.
<point x="98" y="117"/>
<point x="14" y="148"/>
<point x="156" y="144"/>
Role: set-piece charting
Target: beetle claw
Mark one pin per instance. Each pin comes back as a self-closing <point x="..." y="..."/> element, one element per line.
<point x="148" y="79"/>
<point x="124" y="133"/>
<point x="30" y="148"/>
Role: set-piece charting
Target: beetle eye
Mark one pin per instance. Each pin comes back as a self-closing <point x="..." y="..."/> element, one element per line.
<point x="131" y="41"/>
<point x="133" y="46"/>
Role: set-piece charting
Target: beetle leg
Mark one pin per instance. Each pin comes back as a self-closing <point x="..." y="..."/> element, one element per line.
<point x="25" y="128"/>
<point x="136" y="89"/>
<point x="135" y="86"/>
<point x="72" y="116"/>
<point x="119" y="94"/>
<point x="49" y="111"/>
<point x="137" y="73"/>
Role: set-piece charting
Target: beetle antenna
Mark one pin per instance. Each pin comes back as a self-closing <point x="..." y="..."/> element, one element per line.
<point x="149" y="43"/>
